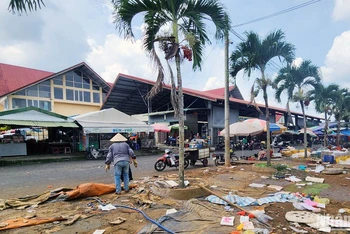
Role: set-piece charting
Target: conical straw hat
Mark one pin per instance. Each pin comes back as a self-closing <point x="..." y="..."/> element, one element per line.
<point x="118" y="138"/>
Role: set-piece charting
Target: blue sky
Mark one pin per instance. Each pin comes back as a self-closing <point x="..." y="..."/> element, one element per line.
<point x="61" y="35"/>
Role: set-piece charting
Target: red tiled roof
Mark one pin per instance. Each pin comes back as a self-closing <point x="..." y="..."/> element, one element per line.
<point x="219" y="91"/>
<point x="13" y="78"/>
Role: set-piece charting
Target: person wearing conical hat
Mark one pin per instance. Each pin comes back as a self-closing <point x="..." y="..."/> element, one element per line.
<point x="119" y="153"/>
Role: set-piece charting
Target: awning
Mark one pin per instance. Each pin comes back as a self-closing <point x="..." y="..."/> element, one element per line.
<point x="38" y="123"/>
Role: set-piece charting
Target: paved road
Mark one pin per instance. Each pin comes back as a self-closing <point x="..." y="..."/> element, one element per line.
<point x="21" y="180"/>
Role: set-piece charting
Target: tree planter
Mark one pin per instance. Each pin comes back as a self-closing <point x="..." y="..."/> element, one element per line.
<point x="191" y="191"/>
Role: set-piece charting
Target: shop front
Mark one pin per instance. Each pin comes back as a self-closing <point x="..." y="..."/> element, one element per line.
<point x="100" y="126"/>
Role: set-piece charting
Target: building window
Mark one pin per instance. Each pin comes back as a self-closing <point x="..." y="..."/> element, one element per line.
<point x="46" y="105"/>
<point x="86" y="82"/>
<point x="32" y="91"/>
<point x="78" y="80"/>
<point x="58" y="80"/>
<point x="58" y="92"/>
<point x="19" y="103"/>
<point x="96" y="97"/>
<point x="21" y="92"/>
<point x="44" y="91"/>
<point x="69" y="94"/>
<point x="87" y="96"/>
<point x="95" y="86"/>
<point x="33" y="103"/>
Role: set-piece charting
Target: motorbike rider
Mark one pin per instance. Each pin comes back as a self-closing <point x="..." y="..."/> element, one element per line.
<point x="171" y="157"/>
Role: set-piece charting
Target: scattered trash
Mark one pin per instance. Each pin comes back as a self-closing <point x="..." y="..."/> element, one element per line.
<point x="118" y="221"/>
<point x="172" y="183"/>
<point x="243" y="219"/>
<point x="186" y="182"/>
<point x="248" y="225"/>
<point x="141" y="189"/>
<point x="107" y="207"/>
<point x="98" y="231"/>
<point x="254" y="185"/>
<point x="170" y="211"/>
<point x="3" y="225"/>
<point x="276" y="187"/>
<point x="300" y="185"/>
<point x="321" y="200"/>
<point x="344" y="210"/>
<point x="301" y="217"/>
<point x="319" y="168"/>
<point x="227" y="221"/>
<point x="242" y="169"/>
<point x="228" y="208"/>
<point x="264" y="177"/>
<point x="293" y="179"/>
<point x="72" y="220"/>
<point x="314" y="179"/>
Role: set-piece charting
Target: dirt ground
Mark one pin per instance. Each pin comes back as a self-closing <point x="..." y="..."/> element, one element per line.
<point x="221" y="180"/>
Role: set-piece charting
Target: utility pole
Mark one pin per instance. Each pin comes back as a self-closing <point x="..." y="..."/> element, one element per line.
<point x="227" y="103"/>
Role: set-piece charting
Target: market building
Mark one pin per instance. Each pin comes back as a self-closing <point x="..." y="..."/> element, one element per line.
<point x="204" y="110"/>
<point x="72" y="91"/>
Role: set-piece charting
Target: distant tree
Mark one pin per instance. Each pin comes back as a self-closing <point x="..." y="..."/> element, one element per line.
<point x="22" y="6"/>
<point x="297" y="81"/>
<point x="254" y="54"/>
<point x="324" y="98"/>
<point x="341" y="108"/>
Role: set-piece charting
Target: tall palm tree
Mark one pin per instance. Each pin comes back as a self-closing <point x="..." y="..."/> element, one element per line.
<point x="341" y="108"/>
<point x="324" y="98"/>
<point x="21" y="6"/>
<point x="254" y="54"/>
<point x="297" y="81"/>
<point x="187" y="20"/>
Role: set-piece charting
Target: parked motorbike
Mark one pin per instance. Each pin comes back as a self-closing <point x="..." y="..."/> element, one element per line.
<point x="219" y="159"/>
<point x="166" y="160"/>
<point x="92" y="153"/>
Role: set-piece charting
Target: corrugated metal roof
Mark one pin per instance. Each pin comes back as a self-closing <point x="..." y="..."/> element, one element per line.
<point x="13" y="78"/>
<point x="37" y="123"/>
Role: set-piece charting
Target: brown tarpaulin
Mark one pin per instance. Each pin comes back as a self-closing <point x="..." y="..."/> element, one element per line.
<point x="22" y="222"/>
<point x="62" y="194"/>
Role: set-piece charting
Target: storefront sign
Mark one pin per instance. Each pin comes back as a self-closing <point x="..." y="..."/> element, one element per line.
<point x="117" y="130"/>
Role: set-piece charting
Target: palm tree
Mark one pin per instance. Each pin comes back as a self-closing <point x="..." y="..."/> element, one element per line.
<point x="341" y="108"/>
<point x="254" y="54"/>
<point x="324" y="98"/>
<point x="297" y="81"/>
<point x="21" y="6"/>
<point x="187" y="20"/>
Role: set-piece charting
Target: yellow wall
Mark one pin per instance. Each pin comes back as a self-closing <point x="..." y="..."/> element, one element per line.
<point x="1" y="107"/>
<point x="69" y="109"/>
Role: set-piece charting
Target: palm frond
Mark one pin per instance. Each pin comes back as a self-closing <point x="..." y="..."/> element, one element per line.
<point x="21" y="6"/>
<point x="158" y="86"/>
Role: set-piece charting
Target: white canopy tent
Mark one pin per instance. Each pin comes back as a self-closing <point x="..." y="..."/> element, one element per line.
<point x="111" y="121"/>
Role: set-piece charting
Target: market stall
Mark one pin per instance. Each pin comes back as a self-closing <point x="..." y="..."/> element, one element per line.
<point x="100" y="126"/>
<point x="17" y="143"/>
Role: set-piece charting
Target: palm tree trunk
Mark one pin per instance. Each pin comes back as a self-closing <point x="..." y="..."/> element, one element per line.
<point x="304" y="122"/>
<point x="338" y="132"/>
<point x="267" y="117"/>
<point x="325" y="129"/>
<point x="180" y="111"/>
<point x="227" y="104"/>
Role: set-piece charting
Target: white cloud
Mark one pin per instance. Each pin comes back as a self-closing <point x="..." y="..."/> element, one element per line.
<point x="341" y="10"/>
<point x="214" y="83"/>
<point x="297" y="62"/>
<point x="116" y="56"/>
<point x="12" y="54"/>
<point x="337" y="62"/>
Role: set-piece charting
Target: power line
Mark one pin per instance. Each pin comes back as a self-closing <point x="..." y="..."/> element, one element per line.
<point x="278" y="13"/>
